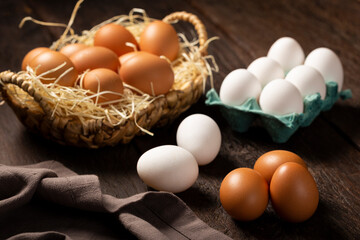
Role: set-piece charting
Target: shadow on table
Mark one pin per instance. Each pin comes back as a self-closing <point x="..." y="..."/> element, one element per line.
<point x="270" y="226"/>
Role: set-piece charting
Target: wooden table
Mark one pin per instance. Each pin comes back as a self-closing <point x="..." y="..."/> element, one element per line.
<point x="330" y="146"/>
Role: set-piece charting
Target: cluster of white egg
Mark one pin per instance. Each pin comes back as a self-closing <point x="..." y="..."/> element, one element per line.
<point x="175" y="168"/>
<point x="281" y="80"/>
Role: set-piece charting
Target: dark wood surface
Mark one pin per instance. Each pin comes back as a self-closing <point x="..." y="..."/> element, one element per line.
<point x="330" y="146"/>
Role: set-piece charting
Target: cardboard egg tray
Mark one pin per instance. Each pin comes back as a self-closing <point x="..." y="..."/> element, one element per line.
<point x="280" y="128"/>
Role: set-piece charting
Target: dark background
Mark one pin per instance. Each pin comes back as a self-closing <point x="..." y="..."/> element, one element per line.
<point x="330" y="146"/>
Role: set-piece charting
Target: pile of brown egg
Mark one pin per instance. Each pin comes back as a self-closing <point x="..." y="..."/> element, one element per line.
<point x="115" y="57"/>
<point x="279" y="175"/>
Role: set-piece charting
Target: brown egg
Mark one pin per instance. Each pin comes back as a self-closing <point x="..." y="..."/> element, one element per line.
<point x="126" y="56"/>
<point x="49" y="60"/>
<point x="244" y="194"/>
<point x="30" y="55"/>
<point x="103" y="79"/>
<point x="293" y="192"/>
<point x="160" y="38"/>
<point x="148" y="73"/>
<point x="72" y="48"/>
<point x="95" y="57"/>
<point x="270" y="161"/>
<point x="114" y="37"/>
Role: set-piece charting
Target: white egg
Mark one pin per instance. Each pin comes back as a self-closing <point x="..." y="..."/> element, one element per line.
<point x="288" y="52"/>
<point x="328" y="64"/>
<point x="266" y="70"/>
<point x="238" y="86"/>
<point x="281" y="97"/>
<point x="200" y="135"/>
<point x="308" y="80"/>
<point x="168" y="168"/>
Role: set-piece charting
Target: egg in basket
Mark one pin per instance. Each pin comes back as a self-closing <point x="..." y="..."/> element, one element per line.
<point x="112" y="82"/>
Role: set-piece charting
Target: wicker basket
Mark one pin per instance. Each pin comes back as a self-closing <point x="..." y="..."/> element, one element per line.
<point x="37" y="116"/>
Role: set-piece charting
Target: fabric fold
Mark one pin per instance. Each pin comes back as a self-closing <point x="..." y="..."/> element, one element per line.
<point x="149" y="215"/>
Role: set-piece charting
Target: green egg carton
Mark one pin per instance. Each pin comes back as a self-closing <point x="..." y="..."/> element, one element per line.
<point x="280" y="128"/>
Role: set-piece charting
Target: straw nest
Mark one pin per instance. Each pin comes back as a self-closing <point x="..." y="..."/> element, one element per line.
<point x="69" y="116"/>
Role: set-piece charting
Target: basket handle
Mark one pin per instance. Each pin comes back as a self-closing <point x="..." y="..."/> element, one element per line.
<point x="198" y="25"/>
<point x="8" y="77"/>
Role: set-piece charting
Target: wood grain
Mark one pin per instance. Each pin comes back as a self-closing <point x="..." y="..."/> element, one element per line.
<point x="330" y="146"/>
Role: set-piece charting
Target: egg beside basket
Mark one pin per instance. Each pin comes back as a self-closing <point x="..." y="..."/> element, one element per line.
<point x="280" y="128"/>
<point x="39" y="109"/>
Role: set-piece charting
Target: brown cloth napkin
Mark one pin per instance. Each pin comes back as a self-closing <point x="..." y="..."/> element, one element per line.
<point x="49" y="201"/>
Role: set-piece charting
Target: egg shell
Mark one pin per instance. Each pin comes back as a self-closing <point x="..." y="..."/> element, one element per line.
<point x="266" y="70"/>
<point x="160" y="38"/>
<point x="244" y="194"/>
<point x="308" y="80"/>
<point x="31" y="54"/>
<point x="328" y="64"/>
<point x="200" y="135"/>
<point x="238" y="86"/>
<point x="123" y="58"/>
<point x="293" y="191"/>
<point x="49" y="60"/>
<point x="148" y="73"/>
<point x="281" y="97"/>
<point x="72" y="48"/>
<point x="103" y="79"/>
<point x="287" y="52"/>
<point x="115" y="37"/>
<point x="267" y="163"/>
<point x="95" y="57"/>
<point x="168" y="168"/>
